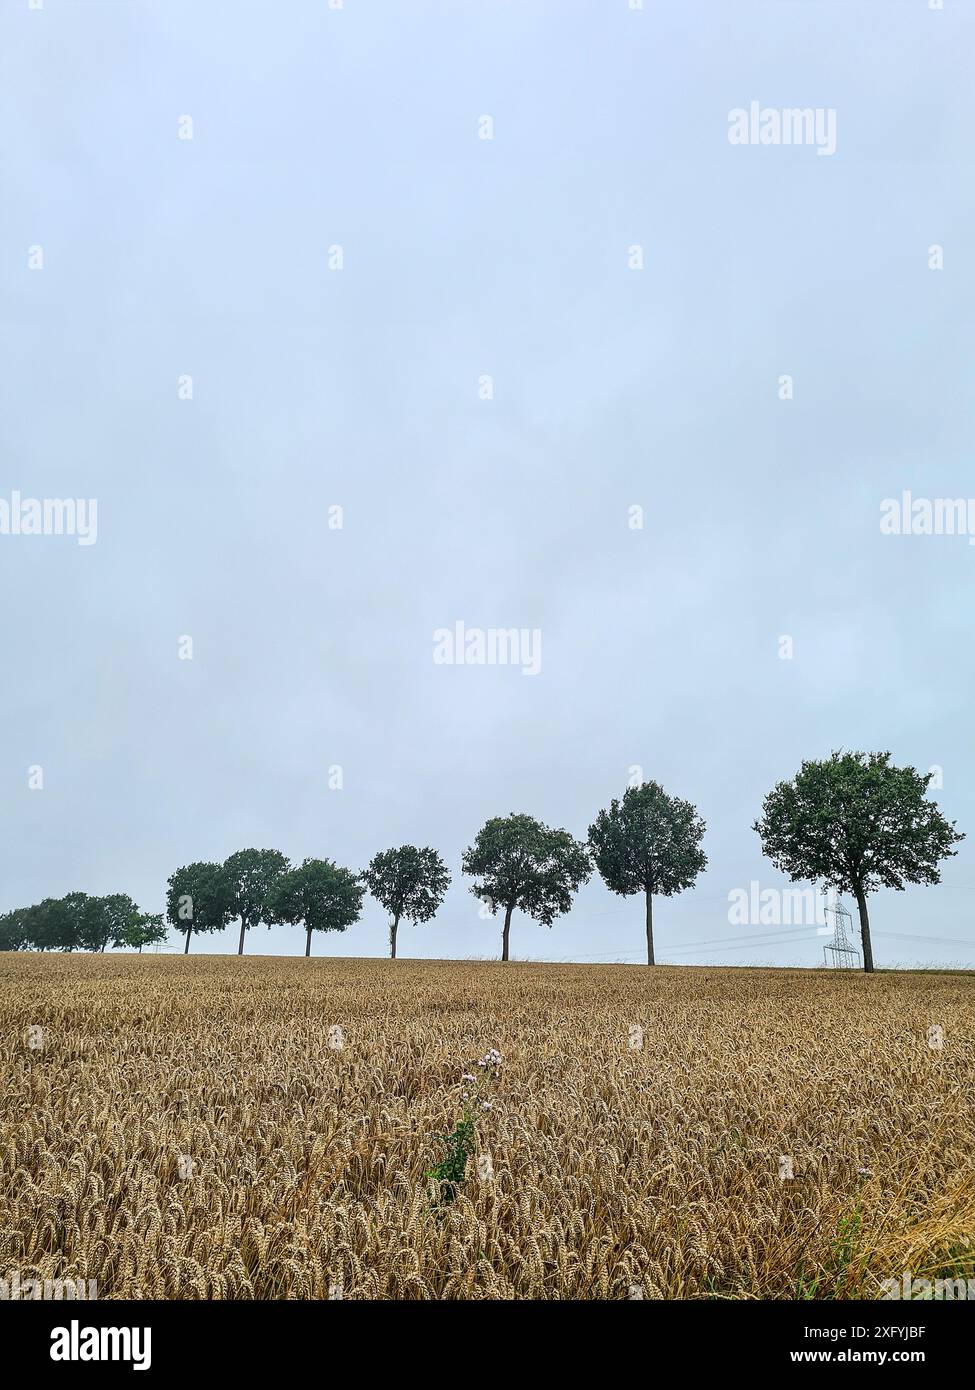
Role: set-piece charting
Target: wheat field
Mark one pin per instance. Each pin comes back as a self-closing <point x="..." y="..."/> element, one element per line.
<point x="264" y="1128"/>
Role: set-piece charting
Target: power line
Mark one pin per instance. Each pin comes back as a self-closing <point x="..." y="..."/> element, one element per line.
<point x="729" y="943"/>
<point x="939" y="940"/>
<point x="759" y="939"/>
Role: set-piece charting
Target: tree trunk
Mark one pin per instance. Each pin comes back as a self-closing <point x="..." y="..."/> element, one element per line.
<point x="649" y="927"/>
<point x="392" y="937"/>
<point x="103" y="945"/>
<point x="861" y="898"/>
<point x="240" y="943"/>
<point x="140" y="950"/>
<point x="308" y="942"/>
<point x="507" y="927"/>
<point x="186" y="948"/>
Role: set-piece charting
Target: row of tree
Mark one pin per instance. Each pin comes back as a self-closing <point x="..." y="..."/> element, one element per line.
<point x="649" y="842"/>
<point x="259" y="885"/>
<point x="78" y="922"/>
<point x="852" y="822"/>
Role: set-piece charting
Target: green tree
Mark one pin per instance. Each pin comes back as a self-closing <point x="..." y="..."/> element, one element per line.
<point x="54" y="924"/>
<point x="17" y="930"/>
<point x="105" y="921"/>
<point x="408" y="882"/>
<point x="521" y="863"/>
<point x="60" y="923"/>
<point x="198" y="900"/>
<point x="122" y="916"/>
<point x="648" y="843"/>
<point x="145" y="929"/>
<point x="76" y="922"/>
<point x="856" y="823"/>
<point x="88" y="917"/>
<point x="318" y="895"/>
<point x="33" y="926"/>
<point x="251" y="873"/>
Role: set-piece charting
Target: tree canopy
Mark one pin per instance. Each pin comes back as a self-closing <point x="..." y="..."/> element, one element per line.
<point x="76" y="922"/>
<point x="250" y="875"/>
<point x="648" y="843"/>
<point x="408" y="882"/>
<point x="521" y="863"/>
<point x="198" y="899"/>
<point x="107" y="921"/>
<point x="856" y="823"/>
<point x="318" y="895"/>
<point x="18" y="929"/>
<point x="148" y="929"/>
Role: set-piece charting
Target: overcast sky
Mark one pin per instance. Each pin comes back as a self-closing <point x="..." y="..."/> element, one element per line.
<point x="362" y="387"/>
